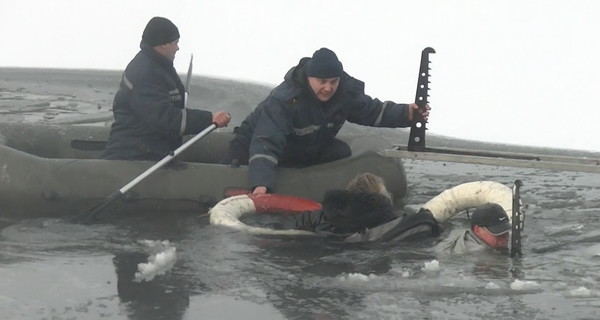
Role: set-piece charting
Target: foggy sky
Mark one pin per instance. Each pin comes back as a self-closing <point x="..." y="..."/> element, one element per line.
<point x="521" y="72"/>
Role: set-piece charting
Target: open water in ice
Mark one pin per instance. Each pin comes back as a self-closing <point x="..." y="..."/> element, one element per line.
<point x="55" y="270"/>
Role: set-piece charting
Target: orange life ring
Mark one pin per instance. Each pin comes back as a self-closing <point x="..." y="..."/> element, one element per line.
<point x="229" y="211"/>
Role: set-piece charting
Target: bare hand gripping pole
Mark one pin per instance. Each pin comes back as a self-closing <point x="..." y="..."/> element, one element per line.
<point x="416" y="141"/>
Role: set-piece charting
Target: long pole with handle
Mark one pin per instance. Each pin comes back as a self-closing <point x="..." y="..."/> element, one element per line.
<point x="92" y="213"/>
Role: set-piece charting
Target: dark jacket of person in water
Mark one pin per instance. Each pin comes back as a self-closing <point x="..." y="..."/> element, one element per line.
<point x="365" y="217"/>
<point x="364" y="212"/>
<point x="347" y="212"/>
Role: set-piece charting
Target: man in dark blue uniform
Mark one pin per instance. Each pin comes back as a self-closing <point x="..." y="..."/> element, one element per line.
<point x="149" y="108"/>
<point x="297" y="124"/>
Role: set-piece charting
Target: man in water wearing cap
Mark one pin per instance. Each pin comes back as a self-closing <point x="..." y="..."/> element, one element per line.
<point x="297" y="123"/>
<point x="490" y="228"/>
<point x="149" y="108"/>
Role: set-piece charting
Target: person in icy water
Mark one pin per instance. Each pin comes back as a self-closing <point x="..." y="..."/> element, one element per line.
<point x="490" y="228"/>
<point x="363" y="212"/>
<point x="361" y="209"/>
<point x="297" y="124"/>
<point x="149" y="107"/>
<point x="365" y="203"/>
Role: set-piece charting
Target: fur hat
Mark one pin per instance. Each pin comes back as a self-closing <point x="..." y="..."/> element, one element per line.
<point x="324" y="64"/>
<point x="159" y="31"/>
<point x="350" y="211"/>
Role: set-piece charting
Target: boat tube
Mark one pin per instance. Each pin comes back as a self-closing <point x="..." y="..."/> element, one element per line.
<point x="54" y="171"/>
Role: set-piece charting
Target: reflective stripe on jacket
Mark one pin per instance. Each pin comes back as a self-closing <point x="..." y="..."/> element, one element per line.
<point x="149" y="110"/>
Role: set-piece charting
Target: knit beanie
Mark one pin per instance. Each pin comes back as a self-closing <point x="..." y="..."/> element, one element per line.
<point x="160" y="31"/>
<point x="324" y="64"/>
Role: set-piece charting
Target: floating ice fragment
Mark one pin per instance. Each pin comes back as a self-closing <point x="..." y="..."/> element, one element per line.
<point x="581" y="292"/>
<point x="524" y="285"/>
<point x="491" y="285"/>
<point x="433" y="265"/>
<point x="159" y="263"/>
<point x="357" y="277"/>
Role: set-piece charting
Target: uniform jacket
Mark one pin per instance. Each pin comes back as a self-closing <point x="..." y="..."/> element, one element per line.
<point x="149" y="110"/>
<point x="292" y="120"/>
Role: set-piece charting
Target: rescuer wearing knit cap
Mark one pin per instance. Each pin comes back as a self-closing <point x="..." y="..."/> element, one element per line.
<point x="149" y="108"/>
<point x="297" y="124"/>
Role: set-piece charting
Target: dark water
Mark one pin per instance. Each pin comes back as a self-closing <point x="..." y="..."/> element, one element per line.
<point x="55" y="270"/>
